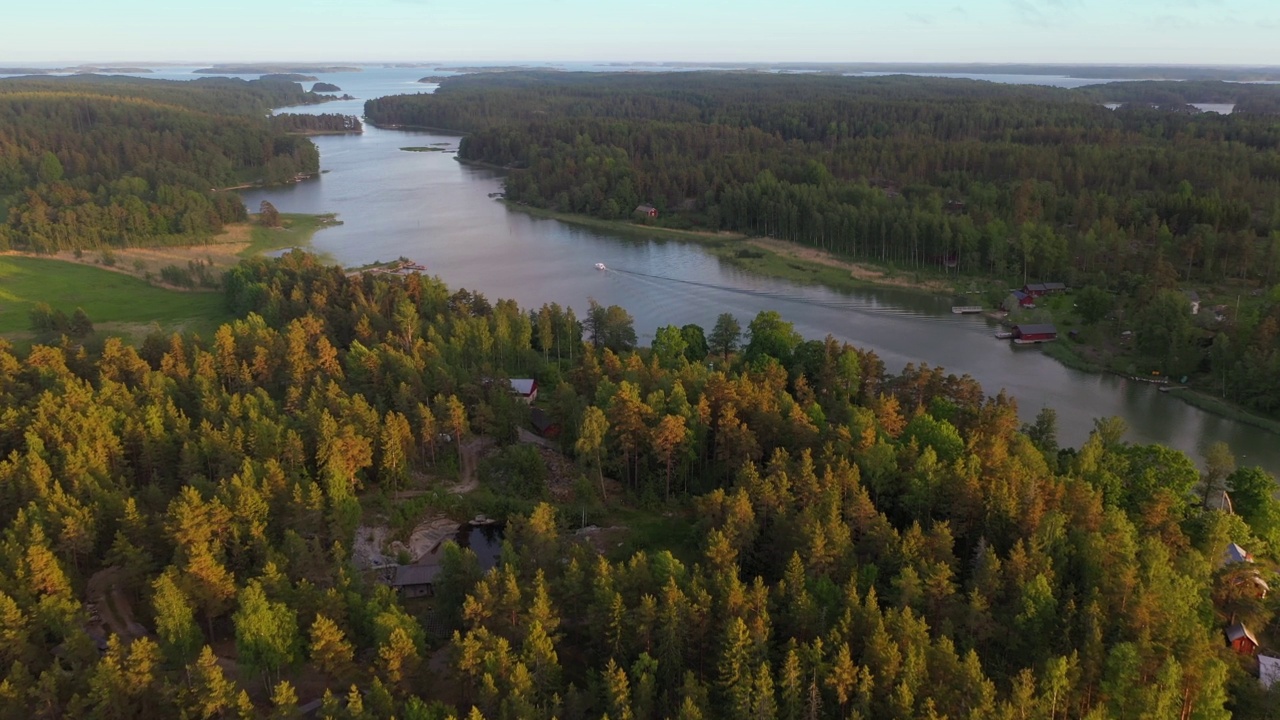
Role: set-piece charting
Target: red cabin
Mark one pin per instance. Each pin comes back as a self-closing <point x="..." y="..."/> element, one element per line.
<point x="1241" y="640"/>
<point x="647" y="211"/>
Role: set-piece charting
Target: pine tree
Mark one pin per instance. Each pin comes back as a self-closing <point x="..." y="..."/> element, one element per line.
<point x="330" y="650"/>
<point x="175" y="619"/>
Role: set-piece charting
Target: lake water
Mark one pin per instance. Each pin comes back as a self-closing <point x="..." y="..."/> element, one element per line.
<point x="428" y="207"/>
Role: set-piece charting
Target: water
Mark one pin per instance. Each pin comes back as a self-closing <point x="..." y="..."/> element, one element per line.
<point x="436" y="211"/>
<point x="484" y="540"/>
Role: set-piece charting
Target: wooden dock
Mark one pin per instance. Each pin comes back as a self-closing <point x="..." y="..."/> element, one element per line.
<point x="966" y="309"/>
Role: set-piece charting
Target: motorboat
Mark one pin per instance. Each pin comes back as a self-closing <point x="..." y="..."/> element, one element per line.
<point x="600" y="266"/>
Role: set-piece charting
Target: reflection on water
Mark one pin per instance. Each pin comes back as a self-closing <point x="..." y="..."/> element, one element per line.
<point x="436" y="211"/>
<point x="484" y="540"/>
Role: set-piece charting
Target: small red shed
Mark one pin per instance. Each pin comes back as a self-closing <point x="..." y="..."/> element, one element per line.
<point x="647" y="211"/>
<point x="1241" y="640"/>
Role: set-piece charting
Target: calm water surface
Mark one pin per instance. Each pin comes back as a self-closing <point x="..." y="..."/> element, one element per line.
<point x="436" y="211"/>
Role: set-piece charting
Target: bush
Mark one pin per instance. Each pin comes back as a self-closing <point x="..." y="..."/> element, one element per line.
<point x="518" y="470"/>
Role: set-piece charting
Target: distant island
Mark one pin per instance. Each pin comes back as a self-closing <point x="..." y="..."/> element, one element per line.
<point x="274" y="69"/>
<point x="325" y="87"/>
<point x="79" y="69"/>
<point x="1091" y="72"/>
<point x="289" y="77"/>
<point x="470" y="69"/>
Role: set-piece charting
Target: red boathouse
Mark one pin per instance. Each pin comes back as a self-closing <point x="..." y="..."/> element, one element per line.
<point x="1027" y="334"/>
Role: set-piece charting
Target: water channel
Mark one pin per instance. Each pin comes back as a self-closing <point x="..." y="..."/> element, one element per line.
<point x="428" y="207"/>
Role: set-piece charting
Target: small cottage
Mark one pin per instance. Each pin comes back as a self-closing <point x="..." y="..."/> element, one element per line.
<point x="1035" y="290"/>
<point x="1018" y="299"/>
<point x="413" y="581"/>
<point x="1055" y="287"/>
<point x="544" y="424"/>
<point x="525" y="388"/>
<point x="647" y="211"/>
<point x="1241" y="640"/>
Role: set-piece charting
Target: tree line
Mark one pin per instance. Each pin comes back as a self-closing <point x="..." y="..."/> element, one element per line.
<point x="851" y="542"/>
<point x="89" y="163"/>
<point x="321" y="123"/>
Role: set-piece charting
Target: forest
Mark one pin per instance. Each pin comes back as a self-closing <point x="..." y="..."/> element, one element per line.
<point x="307" y="124"/>
<point x="835" y="540"/>
<point x="1009" y="183"/>
<point x="91" y="162"/>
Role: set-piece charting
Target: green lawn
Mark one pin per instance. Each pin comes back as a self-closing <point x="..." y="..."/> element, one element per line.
<point x="109" y="298"/>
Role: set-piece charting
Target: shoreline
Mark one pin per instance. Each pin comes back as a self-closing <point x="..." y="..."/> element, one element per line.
<point x="1068" y="356"/>
<point x="765" y="256"/>
<point x="789" y="261"/>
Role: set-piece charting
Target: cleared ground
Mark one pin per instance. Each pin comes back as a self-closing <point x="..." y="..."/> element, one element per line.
<point x="122" y="292"/>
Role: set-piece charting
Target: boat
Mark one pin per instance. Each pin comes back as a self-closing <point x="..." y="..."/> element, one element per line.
<point x="1004" y="335"/>
<point x="600" y="266"/>
<point x="966" y="309"/>
<point x="1023" y="341"/>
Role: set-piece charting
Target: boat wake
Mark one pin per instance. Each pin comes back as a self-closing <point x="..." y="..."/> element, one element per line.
<point x="868" y="307"/>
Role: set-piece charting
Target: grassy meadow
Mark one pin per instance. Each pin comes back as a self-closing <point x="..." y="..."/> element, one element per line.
<point x="116" y="302"/>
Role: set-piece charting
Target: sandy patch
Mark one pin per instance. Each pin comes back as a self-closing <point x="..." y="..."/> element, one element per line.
<point x="857" y="271"/>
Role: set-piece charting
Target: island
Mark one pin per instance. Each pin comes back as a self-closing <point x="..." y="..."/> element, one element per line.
<point x="322" y="124"/>
<point x="325" y="87"/>
<point x="78" y="69"/>
<point x="289" y="77"/>
<point x="233" y="69"/>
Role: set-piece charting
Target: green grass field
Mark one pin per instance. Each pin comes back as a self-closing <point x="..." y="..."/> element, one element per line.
<point x="115" y="302"/>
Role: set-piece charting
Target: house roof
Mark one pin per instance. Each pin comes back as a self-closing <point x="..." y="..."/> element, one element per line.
<point x="645" y="208"/>
<point x="1020" y="295"/>
<point x="524" y="386"/>
<point x="1055" y="286"/>
<point x="541" y="419"/>
<point x="1237" y="554"/>
<point x="1036" y="329"/>
<point x="415" y="575"/>
<point x="1238" y="631"/>
<point x="1035" y="286"/>
<point x="1268" y="670"/>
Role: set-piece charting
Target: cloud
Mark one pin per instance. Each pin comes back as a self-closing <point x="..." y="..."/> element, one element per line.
<point x="1029" y="12"/>
<point x="919" y="19"/>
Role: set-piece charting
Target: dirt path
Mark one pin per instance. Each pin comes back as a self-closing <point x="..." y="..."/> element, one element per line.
<point x="865" y="273"/>
<point x="109" y="607"/>
<point x="469" y="457"/>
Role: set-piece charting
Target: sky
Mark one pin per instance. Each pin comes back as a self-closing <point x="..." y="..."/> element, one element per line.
<point x="1224" y="32"/>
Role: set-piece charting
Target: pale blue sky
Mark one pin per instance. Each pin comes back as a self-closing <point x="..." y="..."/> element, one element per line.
<point x="1077" y="31"/>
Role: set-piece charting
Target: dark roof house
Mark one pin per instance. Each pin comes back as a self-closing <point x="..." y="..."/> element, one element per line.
<point x="542" y="422"/>
<point x="647" y="210"/>
<point x="415" y="580"/>
<point x="1034" y="333"/>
